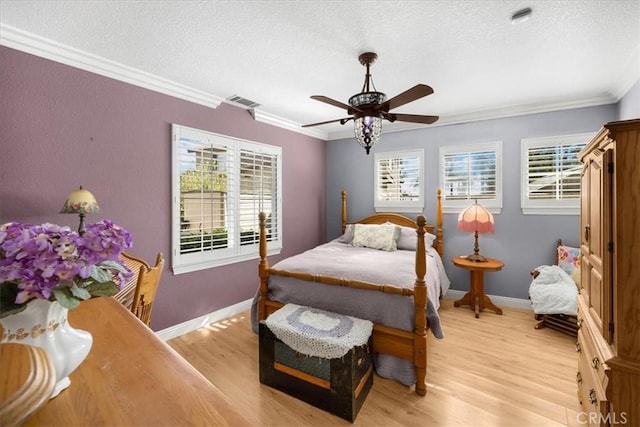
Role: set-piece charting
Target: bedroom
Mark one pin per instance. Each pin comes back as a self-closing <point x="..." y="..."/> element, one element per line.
<point x="63" y="127"/>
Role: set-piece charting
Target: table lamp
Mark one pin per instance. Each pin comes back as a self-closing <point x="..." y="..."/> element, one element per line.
<point x="80" y="202"/>
<point x="476" y="219"/>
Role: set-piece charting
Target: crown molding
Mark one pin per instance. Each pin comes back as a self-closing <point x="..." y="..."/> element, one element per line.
<point x="272" y="119"/>
<point x="45" y="48"/>
<point x="39" y="46"/>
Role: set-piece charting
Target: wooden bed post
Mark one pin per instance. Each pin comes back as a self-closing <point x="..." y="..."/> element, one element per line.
<point x="420" y="301"/>
<point x="262" y="268"/>
<point x="344" y="210"/>
<point x="439" y="222"/>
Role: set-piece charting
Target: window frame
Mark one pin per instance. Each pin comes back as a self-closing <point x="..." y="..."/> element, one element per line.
<point x="401" y="206"/>
<point x="493" y="205"/>
<point x="548" y="206"/>
<point x="238" y="252"/>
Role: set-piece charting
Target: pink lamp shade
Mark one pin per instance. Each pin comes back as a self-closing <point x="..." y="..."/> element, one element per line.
<point x="476" y="218"/>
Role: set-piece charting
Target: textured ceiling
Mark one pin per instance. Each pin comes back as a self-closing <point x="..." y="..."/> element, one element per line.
<point x="278" y="53"/>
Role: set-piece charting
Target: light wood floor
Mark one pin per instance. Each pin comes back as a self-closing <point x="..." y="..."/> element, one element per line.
<point x="491" y="371"/>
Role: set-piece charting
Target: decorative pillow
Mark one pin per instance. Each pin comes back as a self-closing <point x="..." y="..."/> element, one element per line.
<point x="569" y="261"/>
<point x="408" y="238"/>
<point x="347" y="237"/>
<point x="376" y="236"/>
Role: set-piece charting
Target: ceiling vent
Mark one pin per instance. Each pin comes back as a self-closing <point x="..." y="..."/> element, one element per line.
<point x="241" y="102"/>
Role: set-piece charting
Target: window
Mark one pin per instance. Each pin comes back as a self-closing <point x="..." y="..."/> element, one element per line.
<point x="220" y="185"/>
<point x="471" y="172"/>
<point x="399" y="181"/>
<point x="550" y="182"/>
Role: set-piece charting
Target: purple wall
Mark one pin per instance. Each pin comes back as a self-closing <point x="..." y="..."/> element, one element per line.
<point x="61" y="127"/>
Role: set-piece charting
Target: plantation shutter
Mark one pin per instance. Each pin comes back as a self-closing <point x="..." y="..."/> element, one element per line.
<point x="399" y="181"/>
<point x="553" y="172"/>
<point x="258" y="193"/>
<point x="220" y="185"/>
<point x="469" y="175"/>
<point x="206" y="205"/>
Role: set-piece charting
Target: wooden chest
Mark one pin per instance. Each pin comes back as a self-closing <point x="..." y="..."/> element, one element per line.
<point x="339" y="386"/>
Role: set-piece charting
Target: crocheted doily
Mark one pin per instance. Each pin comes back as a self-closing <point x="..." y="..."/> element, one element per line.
<point x="318" y="333"/>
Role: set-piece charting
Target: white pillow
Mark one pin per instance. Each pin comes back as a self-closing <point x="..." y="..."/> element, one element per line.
<point x="347" y="237"/>
<point x="408" y="239"/>
<point x="376" y="236"/>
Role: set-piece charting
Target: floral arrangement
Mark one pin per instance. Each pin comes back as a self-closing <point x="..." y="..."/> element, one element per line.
<point x="55" y="263"/>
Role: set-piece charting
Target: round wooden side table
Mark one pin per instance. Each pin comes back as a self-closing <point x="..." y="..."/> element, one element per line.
<point x="475" y="298"/>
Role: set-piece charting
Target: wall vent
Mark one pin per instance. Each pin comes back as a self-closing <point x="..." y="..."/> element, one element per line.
<point x="241" y="102"/>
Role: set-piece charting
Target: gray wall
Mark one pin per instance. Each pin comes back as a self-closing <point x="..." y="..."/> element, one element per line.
<point x="521" y="241"/>
<point x="629" y="105"/>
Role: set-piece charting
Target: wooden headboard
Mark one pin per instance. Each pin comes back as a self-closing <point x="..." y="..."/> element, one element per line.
<point x="382" y="217"/>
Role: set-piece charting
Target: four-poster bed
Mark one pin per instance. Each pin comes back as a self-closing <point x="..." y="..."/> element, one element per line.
<point x="401" y="307"/>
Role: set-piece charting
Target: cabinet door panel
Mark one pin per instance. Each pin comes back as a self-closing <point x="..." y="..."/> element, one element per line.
<point x="585" y="278"/>
<point x="596" y="297"/>
<point x="595" y="208"/>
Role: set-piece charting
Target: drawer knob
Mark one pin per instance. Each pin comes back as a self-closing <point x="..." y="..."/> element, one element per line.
<point x="595" y="362"/>
<point x="578" y="347"/>
<point x="593" y="399"/>
<point x="578" y="377"/>
<point x="579" y="323"/>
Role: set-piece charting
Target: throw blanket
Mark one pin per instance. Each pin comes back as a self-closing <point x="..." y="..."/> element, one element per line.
<point x="318" y="333"/>
<point x="553" y="292"/>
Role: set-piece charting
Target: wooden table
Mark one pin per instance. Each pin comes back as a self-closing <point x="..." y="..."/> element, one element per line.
<point x="132" y="378"/>
<point x="475" y="298"/>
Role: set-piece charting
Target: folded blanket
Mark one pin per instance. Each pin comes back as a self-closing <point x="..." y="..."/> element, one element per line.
<point x="553" y="292"/>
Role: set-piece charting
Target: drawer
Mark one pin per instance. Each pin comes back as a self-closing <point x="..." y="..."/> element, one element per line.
<point x="591" y="393"/>
<point x="586" y="347"/>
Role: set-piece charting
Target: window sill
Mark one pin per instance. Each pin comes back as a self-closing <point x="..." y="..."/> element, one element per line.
<point x="550" y="211"/>
<point x="190" y="268"/>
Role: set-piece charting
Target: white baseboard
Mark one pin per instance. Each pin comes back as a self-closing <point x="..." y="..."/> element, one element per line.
<point x="197" y="323"/>
<point x="524" y="304"/>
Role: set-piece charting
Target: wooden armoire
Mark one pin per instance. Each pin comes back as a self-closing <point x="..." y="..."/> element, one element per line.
<point x="609" y="300"/>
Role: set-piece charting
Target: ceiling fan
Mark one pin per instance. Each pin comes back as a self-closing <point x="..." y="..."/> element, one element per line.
<point x="369" y="107"/>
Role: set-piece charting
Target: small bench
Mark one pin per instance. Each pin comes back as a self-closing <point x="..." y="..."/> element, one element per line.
<point x="301" y="368"/>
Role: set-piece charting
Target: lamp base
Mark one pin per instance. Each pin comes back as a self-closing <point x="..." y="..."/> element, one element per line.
<point x="476" y="258"/>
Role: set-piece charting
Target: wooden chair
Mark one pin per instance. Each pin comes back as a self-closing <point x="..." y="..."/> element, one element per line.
<point x="139" y="292"/>
<point x="565" y="323"/>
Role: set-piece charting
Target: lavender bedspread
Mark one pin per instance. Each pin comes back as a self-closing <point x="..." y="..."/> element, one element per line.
<point x="341" y="260"/>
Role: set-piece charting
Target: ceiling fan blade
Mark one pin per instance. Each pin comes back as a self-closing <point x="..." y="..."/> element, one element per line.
<point x="333" y="102"/>
<point x="409" y="95"/>
<point x="414" y="118"/>
<point x="342" y="121"/>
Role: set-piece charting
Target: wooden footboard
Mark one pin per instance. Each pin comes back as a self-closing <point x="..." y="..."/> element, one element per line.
<point x="409" y="345"/>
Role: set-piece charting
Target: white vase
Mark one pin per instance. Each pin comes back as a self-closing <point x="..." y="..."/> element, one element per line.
<point x="44" y="324"/>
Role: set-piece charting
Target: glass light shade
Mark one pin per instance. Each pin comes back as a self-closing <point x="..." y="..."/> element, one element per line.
<point x="365" y="98"/>
<point x="476" y="218"/>
<point x="80" y="202"/>
<point x="367" y="130"/>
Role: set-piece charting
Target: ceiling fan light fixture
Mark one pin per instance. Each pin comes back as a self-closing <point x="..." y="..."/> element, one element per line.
<point x="367" y="130"/>
<point x="368" y="108"/>
<point x="364" y="98"/>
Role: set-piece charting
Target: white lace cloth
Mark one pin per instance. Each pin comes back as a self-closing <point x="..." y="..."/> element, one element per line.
<point x="318" y="333"/>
